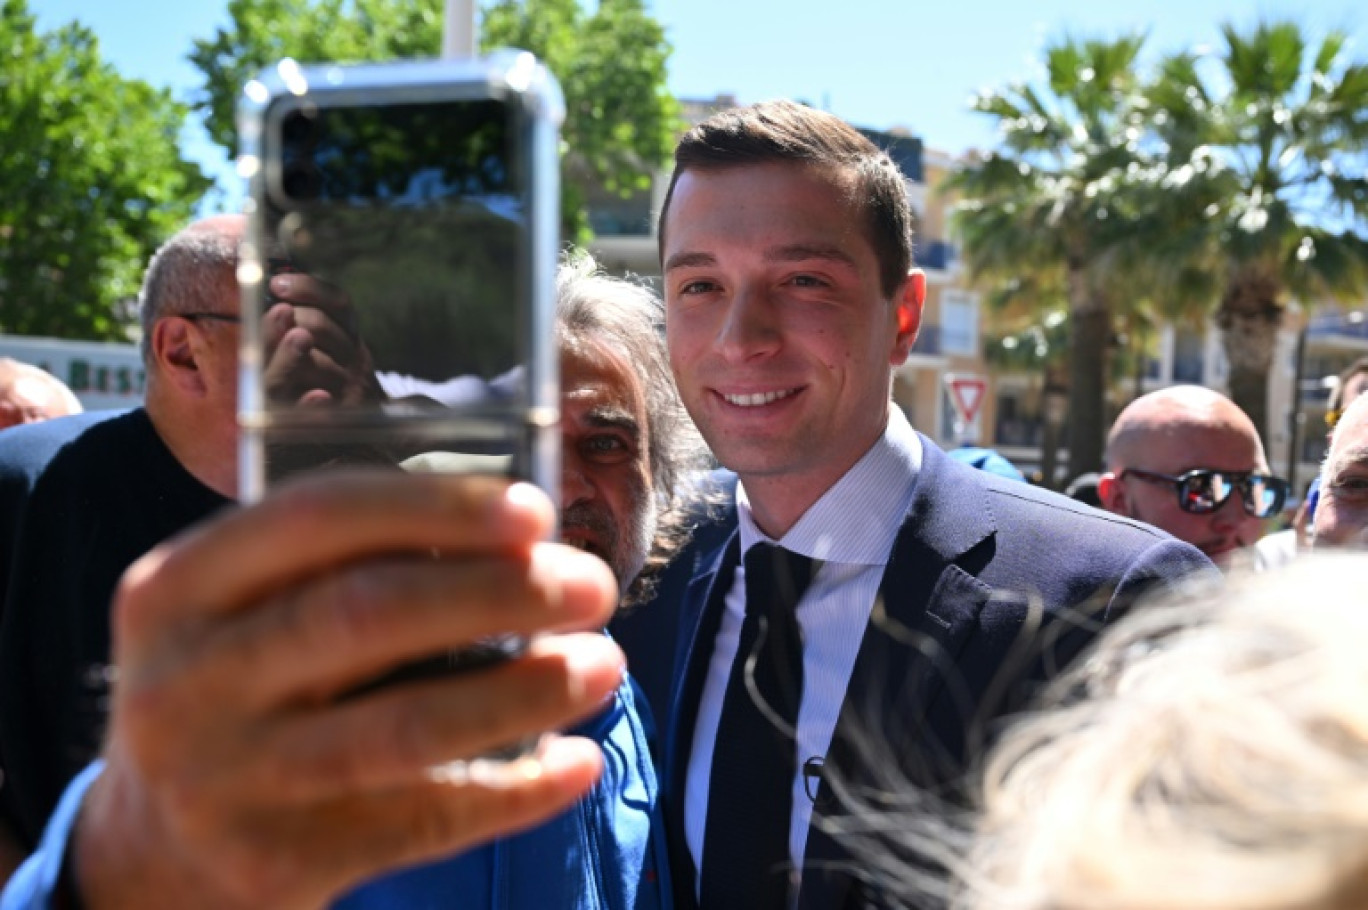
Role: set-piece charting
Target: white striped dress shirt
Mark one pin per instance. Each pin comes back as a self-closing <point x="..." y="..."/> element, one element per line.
<point x="851" y="529"/>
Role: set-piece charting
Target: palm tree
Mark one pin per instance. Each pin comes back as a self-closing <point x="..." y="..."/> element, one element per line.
<point x="1260" y="192"/>
<point x="1034" y="343"/>
<point x="1049" y="206"/>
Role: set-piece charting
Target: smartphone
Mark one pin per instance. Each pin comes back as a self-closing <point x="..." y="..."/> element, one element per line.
<point x="416" y="204"/>
<point x="413" y="209"/>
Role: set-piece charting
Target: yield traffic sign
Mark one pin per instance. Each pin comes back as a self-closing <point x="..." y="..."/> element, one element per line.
<point x="967" y="391"/>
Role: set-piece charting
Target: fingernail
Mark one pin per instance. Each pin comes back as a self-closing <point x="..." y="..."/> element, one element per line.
<point x="523" y="495"/>
<point x="525" y="506"/>
<point x="498" y="774"/>
<point x="563" y="753"/>
<point x="595" y="667"/>
<point x="588" y="586"/>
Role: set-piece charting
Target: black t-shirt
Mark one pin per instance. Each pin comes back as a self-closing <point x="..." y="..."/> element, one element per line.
<point x="80" y="500"/>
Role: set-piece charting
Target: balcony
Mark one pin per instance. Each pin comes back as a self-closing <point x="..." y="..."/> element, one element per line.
<point x="1187" y="368"/>
<point x="936" y="254"/>
<point x="1337" y="323"/>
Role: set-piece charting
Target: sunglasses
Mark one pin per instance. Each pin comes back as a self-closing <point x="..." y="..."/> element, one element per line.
<point x="1203" y="491"/>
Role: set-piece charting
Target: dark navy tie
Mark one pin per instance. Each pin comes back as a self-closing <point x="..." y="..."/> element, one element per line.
<point x="746" y="862"/>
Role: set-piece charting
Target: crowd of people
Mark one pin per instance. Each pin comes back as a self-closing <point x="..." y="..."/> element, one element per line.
<point x="850" y="669"/>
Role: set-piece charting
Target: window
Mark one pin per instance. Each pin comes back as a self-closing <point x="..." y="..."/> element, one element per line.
<point x="1188" y="356"/>
<point x="959" y="323"/>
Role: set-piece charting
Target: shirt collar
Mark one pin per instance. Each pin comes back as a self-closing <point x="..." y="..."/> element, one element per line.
<point x="857" y="519"/>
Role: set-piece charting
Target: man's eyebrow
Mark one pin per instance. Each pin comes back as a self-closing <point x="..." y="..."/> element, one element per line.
<point x="801" y="252"/>
<point x="798" y="252"/>
<point x="613" y="418"/>
<point x="690" y="260"/>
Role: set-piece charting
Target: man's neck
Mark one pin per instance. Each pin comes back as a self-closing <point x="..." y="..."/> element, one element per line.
<point x="779" y="501"/>
<point x="209" y="455"/>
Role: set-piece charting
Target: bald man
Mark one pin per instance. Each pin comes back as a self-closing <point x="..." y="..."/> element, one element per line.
<point x="29" y="394"/>
<point x="1188" y="461"/>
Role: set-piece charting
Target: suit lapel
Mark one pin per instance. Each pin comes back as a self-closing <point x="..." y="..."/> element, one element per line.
<point x="928" y="606"/>
<point x="702" y="611"/>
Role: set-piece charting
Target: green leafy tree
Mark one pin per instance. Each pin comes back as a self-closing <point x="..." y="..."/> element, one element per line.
<point x="621" y="121"/>
<point x="1039" y="347"/>
<point x="1261" y="192"/>
<point x="91" y="180"/>
<point x="1049" y="208"/>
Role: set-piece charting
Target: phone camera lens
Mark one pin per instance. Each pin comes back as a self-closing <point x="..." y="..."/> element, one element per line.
<point x="302" y="181"/>
<point x="298" y="128"/>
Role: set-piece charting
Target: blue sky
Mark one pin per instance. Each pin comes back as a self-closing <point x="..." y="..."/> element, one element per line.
<point x="877" y="63"/>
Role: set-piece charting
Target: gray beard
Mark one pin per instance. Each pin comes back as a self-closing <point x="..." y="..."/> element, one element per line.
<point x="625" y="553"/>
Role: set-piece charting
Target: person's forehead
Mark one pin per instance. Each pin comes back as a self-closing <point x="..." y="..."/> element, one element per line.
<point x="1353" y="387"/>
<point x="1351" y="439"/>
<point x="776" y="202"/>
<point x="1180" y="447"/>
<point x="1353" y="424"/>
<point x="592" y="376"/>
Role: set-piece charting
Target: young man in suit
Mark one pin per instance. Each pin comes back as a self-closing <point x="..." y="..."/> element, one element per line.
<point x="935" y="590"/>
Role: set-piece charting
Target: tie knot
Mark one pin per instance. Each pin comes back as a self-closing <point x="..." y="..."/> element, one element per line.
<point x="775" y="578"/>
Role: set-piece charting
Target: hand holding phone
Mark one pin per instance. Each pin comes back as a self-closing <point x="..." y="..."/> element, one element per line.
<point x="236" y="772"/>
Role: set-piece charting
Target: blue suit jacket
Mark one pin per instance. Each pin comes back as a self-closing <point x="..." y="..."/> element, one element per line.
<point x="990" y="586"/>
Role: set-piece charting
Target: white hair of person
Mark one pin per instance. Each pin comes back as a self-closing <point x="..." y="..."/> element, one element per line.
<point x="188" y="274"/>
<point x="628" y="318"/>
<point x="1352" y="417"/>
<point x="1210" y="753"/>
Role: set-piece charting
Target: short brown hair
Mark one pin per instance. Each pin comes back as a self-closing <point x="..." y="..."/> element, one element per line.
<point x="788" y="132"/>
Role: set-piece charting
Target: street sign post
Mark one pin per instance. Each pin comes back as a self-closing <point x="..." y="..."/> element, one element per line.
<point x="459" y="37"/>
<point x="966" y="392"/>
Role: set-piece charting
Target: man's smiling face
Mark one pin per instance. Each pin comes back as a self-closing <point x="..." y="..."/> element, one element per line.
<point x="781" y="338"/>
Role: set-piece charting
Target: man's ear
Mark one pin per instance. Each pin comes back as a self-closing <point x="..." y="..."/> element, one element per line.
<point x="176" y="349"/>
<point x="1112" y="492"/>
<point x="908" y="311"/>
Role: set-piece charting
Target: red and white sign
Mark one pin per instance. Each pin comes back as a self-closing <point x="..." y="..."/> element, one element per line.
<point x="967" y="391"/>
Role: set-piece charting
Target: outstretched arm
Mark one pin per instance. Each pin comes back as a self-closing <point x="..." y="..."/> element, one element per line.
<point x="235" y="772"/>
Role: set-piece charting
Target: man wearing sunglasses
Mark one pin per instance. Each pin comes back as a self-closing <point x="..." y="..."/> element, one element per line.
<point x="1188" y="461"/>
